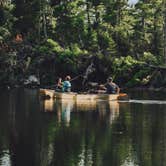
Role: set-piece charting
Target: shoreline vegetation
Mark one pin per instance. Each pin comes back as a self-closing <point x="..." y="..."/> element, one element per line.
<point x="51" y="39"/>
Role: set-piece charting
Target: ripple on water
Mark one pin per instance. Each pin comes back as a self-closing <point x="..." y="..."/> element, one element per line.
<point x="5" y="158"/>
<point x="146" y="101"/>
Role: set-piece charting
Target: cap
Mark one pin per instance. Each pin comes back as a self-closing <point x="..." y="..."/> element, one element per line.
<point x="110" y="78"/>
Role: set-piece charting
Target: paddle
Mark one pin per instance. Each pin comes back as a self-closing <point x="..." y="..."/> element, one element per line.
<point x="89" y="70"/>
<point x="73" y="79"/>
<point x="76" y="77"/>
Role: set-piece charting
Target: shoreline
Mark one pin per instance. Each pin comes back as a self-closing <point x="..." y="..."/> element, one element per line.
<point x="150" y="89"/>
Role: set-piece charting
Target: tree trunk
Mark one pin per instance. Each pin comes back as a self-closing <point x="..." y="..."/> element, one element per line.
<point x="44" y="25"/>
<point x="155" y="44"/>
<point x="39" y="24"/>
<point x="97" y="21"/>
<point x="164" y="29"/>
<point x="118" y="15"/>
<point x="88" y="16"/>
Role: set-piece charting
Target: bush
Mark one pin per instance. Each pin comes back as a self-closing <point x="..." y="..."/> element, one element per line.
<point x="149" y="58"/>
<point x="130" y="72"/>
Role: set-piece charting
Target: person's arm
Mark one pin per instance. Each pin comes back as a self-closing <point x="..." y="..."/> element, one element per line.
<point x="102" y="87"/>
<point x="59" y="84"/>
<point x="117" y="89"/>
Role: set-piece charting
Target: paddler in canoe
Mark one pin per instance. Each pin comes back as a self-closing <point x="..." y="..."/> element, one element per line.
<point x="59" y="85"/>
<point x="109" y="88"/>
<point x="64" y="86"/>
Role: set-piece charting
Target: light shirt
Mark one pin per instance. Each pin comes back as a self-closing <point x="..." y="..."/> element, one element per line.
<point x="66" y="86"/>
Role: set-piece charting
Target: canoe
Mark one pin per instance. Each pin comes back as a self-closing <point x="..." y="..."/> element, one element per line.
<point x="47" y="93"/>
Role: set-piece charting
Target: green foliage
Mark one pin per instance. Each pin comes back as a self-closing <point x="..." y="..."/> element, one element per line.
<point x="130" y="71"/>
<point x="149" y="58"/>
<point x="6" y="21"/>
<point x="139" y="78"/>
<point x="61" y="34"/>
<point x="107" y="44"/>
<point x="4" y="33"/>
<point x="53" y="45"/>
<point x="124" y="64"/>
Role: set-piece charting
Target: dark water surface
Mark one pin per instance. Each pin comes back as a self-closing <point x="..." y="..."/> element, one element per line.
<point x="38" y="133"/>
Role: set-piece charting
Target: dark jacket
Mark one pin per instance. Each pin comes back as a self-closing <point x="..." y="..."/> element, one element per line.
<point x="111" y="88"/>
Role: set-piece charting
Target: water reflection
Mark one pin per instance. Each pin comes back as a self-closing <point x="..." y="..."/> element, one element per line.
<point x="148" y="101"/>
<point x="75" y="138"/>
<point x="63" y="109"/>
<point x="48" y="133"/>
<point x="48" y="105"/>
<point x="5" y="158"/>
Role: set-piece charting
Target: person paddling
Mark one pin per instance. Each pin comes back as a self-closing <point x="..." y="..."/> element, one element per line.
<point x="111" y="87"/>
<point x="59" y="85"/>
<point x="66" y="87"/>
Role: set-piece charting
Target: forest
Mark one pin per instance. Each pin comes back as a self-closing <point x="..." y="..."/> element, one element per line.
<point x="53" y="38"/>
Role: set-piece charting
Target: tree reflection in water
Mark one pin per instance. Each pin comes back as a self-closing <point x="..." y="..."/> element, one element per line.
<point x="65" y="133"/>
<point x="84" y="137"/>
<point x="63" y="108"/>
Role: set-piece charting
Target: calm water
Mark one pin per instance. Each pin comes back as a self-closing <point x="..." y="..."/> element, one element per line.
<point x="38" y="133"/>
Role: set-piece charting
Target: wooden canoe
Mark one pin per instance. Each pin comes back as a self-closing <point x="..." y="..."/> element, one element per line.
<point x="47" y="93"/>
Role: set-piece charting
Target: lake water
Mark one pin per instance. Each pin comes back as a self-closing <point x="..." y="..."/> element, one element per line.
<point x="54" y="133"/>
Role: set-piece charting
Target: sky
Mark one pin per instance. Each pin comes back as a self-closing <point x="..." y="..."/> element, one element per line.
<point x="133" y="1"/>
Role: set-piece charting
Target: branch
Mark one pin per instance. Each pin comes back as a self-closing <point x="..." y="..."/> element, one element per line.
<point x="155" y="67"/>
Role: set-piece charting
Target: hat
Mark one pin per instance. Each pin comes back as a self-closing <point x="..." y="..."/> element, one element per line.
<point x="110" y="78"/>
